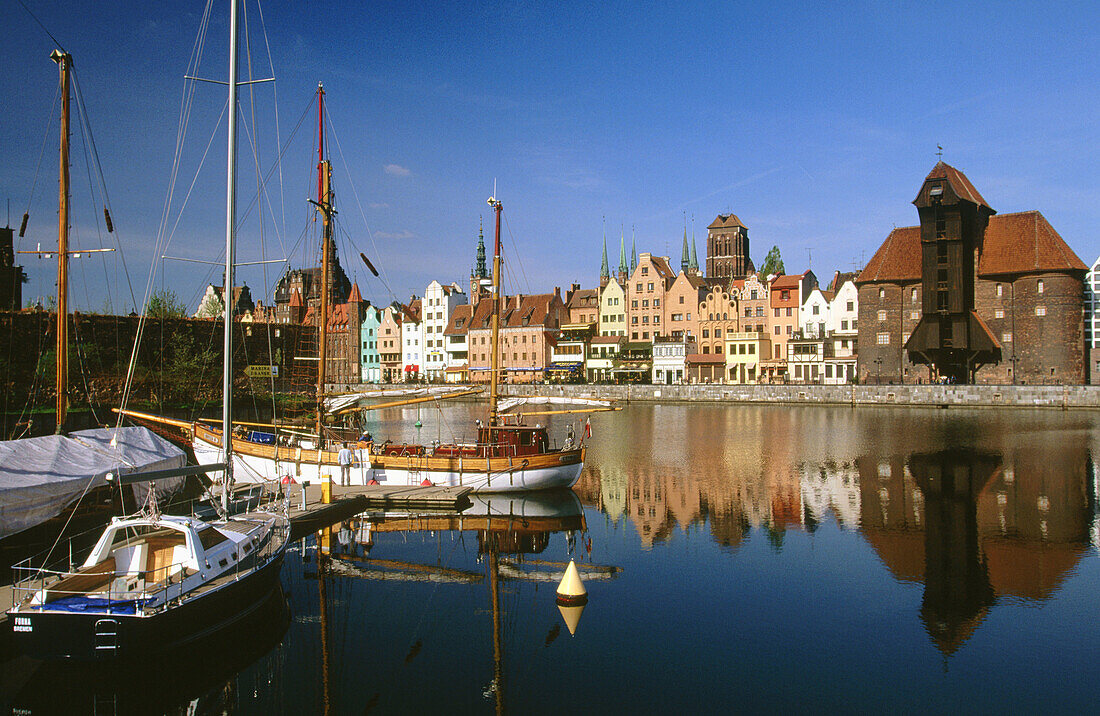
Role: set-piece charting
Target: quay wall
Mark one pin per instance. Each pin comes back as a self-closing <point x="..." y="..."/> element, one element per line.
<point x="933" y="396"/>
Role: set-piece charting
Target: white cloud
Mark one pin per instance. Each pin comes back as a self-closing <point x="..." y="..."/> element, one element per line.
<point x="396" y="170"/>
<point x="394" y="234"/>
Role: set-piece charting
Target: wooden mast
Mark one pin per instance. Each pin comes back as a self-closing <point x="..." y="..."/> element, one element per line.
<point x="64" y="62"/>
<point x="324" y="205"/>
<point x="497" y="310"/>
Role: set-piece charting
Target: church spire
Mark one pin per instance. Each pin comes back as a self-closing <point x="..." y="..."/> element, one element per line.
<point x="605" y="272"/>
<point x="694" y="265"/>
<point x="633" y="251"/>
<point x="685" y="254"/>
<point x="480" y="271"/>
<point x="623" y="267"/>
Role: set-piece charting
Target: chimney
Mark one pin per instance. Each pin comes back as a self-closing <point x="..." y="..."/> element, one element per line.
<point x="557" y="291"/>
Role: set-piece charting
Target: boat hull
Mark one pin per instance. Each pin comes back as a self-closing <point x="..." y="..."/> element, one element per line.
<point x="87" y="636"/>
<point x="269" y="463"/>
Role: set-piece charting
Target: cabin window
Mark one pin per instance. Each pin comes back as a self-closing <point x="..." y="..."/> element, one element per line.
<point x="526" y="439"/>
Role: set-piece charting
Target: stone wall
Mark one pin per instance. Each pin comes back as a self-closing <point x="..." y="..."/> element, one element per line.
<point x="938" y="396"/>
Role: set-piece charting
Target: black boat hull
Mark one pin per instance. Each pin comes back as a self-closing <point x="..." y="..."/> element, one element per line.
<point x="102" y="637"/>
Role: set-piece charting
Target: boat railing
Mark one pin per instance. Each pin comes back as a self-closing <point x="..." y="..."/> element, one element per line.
<point x="29" y="580"/>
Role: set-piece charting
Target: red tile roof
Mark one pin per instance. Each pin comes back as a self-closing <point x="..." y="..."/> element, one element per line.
<point x="1024" y="242"/>
<point x="787" y="281"/>
<point x="958" y="181"/>
<point x="459" y="324"/>
<point x="725" y="221"/>
<point x="355" y="296"/>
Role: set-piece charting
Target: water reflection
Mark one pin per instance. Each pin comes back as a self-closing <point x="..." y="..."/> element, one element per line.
<point x="977" y="507"/>
<point x="511" y="534"/>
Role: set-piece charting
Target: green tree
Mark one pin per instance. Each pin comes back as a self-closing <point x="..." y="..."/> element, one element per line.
<point x="773" y="263"/>
<point x="165" y="304"/>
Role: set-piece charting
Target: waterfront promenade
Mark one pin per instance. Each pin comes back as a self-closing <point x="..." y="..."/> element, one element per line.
<point x="933" y="396"/>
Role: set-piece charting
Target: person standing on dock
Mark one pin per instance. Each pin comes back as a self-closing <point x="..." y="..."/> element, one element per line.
<point x="345" y="458"/>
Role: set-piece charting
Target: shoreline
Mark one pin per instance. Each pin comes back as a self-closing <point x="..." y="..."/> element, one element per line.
<point x="1063" y="397"/>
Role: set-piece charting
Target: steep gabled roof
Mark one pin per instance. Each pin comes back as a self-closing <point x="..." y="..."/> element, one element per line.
<point x="583" y="298"/>
<point x="459" y="324"/>
<point x="1019" y="243"/>
<point x="1025" y="242"/>
<point x="788" y="280"/>
<point x="726" y="221"/>
<point x="660" y="264"/>
<point x="355" y="296"/>
<point x="898" y="259"/>
<point x="958" y="181"/>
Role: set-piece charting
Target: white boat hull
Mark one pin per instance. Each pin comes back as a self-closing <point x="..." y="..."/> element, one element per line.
<point x="518" y="478"/>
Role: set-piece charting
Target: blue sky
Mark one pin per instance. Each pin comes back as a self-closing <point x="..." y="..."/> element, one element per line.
<point x="814" y="123"/>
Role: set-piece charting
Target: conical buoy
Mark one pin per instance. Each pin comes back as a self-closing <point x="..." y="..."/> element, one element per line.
<point x="425" y="482"/>
<point x="571" y="597"/>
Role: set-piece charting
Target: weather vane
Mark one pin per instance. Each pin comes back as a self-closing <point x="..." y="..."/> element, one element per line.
<point x="940" y="152"/>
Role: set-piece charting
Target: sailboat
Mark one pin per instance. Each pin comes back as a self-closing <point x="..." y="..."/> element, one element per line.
<point x="153" y="582"/>
<point x="58" y="482"/>
<point x="507" y="456"/>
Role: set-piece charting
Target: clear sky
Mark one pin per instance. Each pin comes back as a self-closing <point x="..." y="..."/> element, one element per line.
<point x="814" y="122"/>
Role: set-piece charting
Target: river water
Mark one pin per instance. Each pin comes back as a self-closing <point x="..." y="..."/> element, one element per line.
<point x="741" y="558"/>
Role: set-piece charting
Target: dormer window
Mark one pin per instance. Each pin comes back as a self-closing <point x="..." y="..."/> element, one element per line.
<point x="936" y="190"/>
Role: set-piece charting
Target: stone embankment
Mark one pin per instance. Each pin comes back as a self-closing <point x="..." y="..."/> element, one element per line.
<point x="932" y="396"/>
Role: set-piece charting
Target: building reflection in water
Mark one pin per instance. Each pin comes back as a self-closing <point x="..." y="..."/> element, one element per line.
<point x="973" y="525"/>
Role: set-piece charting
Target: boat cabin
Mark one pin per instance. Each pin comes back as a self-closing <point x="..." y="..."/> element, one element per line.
<point x="505" y="440"/>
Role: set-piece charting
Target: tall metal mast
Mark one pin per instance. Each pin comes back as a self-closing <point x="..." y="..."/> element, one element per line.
<point x="324" y="205"/>
<point x="230" y="242"/>
<point x="64" y="62"/>
<point x="497" y="310"/>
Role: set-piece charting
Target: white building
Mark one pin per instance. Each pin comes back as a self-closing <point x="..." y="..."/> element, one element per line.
<point x="612" y="310"/>
<point x="438" y="304"/>
<point x="412" y="342"/>
<point x="1092" y="322"/>
<point x="842" y="331"/>
<point x="670" y="360"/>
<point x="813" y="314"/>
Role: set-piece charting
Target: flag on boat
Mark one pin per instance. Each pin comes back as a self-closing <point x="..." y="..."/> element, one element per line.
<point x="587" y="428"/>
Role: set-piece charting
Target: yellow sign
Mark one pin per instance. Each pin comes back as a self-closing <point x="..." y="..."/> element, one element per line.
<point x="262" y="372"/>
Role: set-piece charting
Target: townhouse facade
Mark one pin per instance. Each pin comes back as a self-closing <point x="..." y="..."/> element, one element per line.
<point x="439" y="302"/>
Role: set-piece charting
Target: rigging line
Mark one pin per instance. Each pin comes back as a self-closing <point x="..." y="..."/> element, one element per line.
<point x="85" y="132"/>
<point x="354" y="191"/>
<point x="45" y="138"/>
<point x="278" y="139"/>
<point x="35" y="18"/>
<point x="83" y="114"/>
<point x="515" y="252"/>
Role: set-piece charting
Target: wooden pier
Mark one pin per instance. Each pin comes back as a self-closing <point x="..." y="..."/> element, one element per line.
<point x="349" y="501"/>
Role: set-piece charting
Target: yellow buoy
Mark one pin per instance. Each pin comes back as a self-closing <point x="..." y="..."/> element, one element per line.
<point x="571" y="597"/>
<point x="326" y="489"/>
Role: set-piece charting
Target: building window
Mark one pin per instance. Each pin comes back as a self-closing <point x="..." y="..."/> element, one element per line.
<point x="1000" y="290"/>
<point x="1040" y="310"/>
<point x="999" y="313"/>
<point x="777" y="330"/>
<point x="706" y="333"/>
<point x="882" y="293"/>
<point x="689" y="317"/>
<point x="883" y="339"/>
<point x="788" y="330"/>
<point x="650" y="286"/>
<point x="776" y="312"/>
<point x="645" y="270"/>
<point x="851" y="306"/>
<point x="760" y="311"/>
<point x="656" y="303"/>
<point x="1006" y="338"/>
<point x="913" y="296"/>
<point x="882" y="315"/>
<point x="816" y="310"/>
<point x="788" y="312"/>
<point x="645" y="303"/>
<point x="639" y="288"/>
<point x="1040" y="286"/>
<point x="914" y="315"/>
<point x="843" y="325"/>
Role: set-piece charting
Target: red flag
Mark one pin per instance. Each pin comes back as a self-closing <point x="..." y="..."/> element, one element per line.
<point x="587" y="428"/>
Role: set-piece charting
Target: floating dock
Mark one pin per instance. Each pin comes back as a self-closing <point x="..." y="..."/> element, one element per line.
<point x="349" y="501"/>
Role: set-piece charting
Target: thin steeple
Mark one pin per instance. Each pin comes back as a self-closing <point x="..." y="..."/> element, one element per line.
<point x="480" y="271"/>
<point x="623" y="268"/>
<point x="633" y="251"/>
<point x="605" y="272"/>
<point x="685" y="254"/>
<point x="694" y="265"/>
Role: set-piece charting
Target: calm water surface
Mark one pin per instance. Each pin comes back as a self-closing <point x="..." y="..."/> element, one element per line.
<point x="744" y="558"/>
